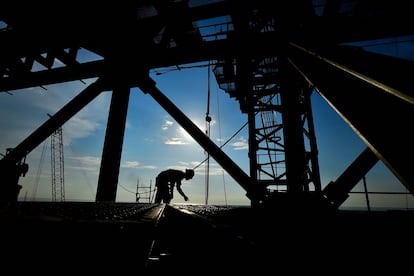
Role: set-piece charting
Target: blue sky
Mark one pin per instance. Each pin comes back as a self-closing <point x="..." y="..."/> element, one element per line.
<point x="154" y="141"/>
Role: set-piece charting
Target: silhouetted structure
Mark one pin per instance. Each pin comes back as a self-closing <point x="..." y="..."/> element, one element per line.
<point x="269" y="55"/>
<point x="169" y="179"/>
<point x="58" y="165"/>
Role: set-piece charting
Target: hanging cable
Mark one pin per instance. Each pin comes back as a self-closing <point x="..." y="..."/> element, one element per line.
<point x="39" y="170"/>
<point x="219" y="128"/>
<point x="208" y="120"/>
<point x="228" y="140"/>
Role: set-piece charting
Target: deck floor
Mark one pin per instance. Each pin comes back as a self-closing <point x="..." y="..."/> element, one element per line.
<point x="150" y="239"/>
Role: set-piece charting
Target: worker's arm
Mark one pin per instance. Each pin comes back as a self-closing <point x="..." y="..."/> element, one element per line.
<point x="180" y="191"/>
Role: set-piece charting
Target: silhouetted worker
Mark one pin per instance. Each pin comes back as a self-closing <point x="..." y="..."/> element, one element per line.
<point x="165" y="182"/>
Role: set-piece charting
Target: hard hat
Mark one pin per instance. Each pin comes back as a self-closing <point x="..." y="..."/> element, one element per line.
<point x="189" y="173"/>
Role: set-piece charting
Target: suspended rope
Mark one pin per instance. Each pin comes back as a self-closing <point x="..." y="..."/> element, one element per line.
<point x="126" y="189"/>
<point x="208" y="120"/>
<point x="228" y="140"/>
<point x="39" y="170"/>
<point x="219" y="127"/>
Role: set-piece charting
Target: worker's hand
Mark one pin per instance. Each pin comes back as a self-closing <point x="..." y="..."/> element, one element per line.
<point x="186" y="198"/>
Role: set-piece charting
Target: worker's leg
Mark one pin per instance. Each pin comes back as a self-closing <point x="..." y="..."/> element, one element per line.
<point x="158" y="196"/>
<point x="167" y="198"/>
<point x="162" y="193"/>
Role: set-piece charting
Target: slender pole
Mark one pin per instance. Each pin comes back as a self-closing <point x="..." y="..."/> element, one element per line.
<point x="208" y="120"/>
<point x="366" y="193"/>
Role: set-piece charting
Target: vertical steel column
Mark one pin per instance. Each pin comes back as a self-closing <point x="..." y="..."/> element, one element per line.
<point x="112" y="150"/>
<point x="295" y="153"/>
<point x="316" y="177"/>
<point x="253" y="148"/>
<point x="246" y="92"/>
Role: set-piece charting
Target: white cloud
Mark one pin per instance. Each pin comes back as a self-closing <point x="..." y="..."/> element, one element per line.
<point x="87" y="160"/>
<point x="194" y="163"/>
<point x="216" y="171"/>
<point x="83" y="163"/>
<point x="130" y="164"/>
<point x="241" y="144"/>
<point x="151" y="167"/>
<point x="82" y="168"/>
<point x="174" y="141"/>
<point x="166" y="125"/>
<point x="136" y="165"/>
<point x="79" y="128"/>
<point x="186" y="164"/>
<point x="30" y="108"/>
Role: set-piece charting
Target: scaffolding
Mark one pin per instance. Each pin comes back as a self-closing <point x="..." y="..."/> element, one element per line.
<point x="57" y="165"/>
<point x="143" y="192"/>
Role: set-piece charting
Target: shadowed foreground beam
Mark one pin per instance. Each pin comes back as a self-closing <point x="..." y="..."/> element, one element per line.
<point x="337" y="192"/>
<point x="112" y="150"/>
<point x="374" y="100"/>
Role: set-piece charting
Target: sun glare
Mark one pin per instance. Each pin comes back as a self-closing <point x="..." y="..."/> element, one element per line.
<point x="186" y="136"/>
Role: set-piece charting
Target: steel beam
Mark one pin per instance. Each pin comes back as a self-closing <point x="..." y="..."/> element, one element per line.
<point x="112" y="150"/>
<point x="374" y="108"/>
<point x="12" y="166"/>
<point x="53" y="76"/>
<point x="254" y="193"/>
<point x="338" y="191"/>
<point x="54" y="122"/>
<point x="156" y="58"/>
<point x="291" y="85"/>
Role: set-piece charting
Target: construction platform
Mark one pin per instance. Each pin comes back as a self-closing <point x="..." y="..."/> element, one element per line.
<point x="148" y="239"/>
